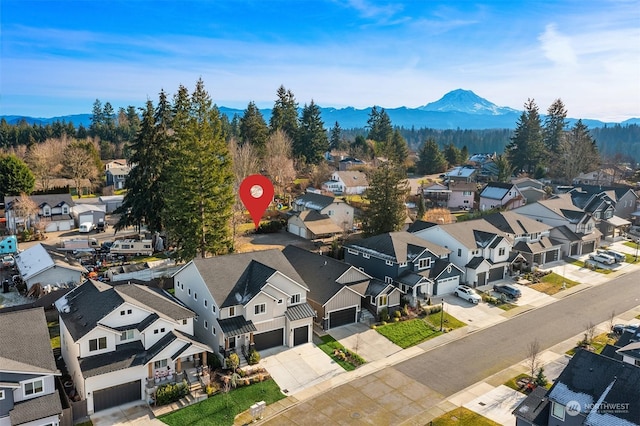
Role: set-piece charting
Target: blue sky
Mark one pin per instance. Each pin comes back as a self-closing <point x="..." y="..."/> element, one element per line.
<point x="57" y="57"/>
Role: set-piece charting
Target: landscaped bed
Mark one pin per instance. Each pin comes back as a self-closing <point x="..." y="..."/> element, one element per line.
<point x="222" y="408"/>
<point x="596" y="345"/>
<point x="344" y="357"/>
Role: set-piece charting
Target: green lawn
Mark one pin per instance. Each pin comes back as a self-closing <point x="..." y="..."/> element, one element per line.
<point x="513" y="382"/>
<point x="599" y="342"/>
<point x="54" y="334"/>
<point x="631" y="244"/>
<point x="552" y="283"/>
<point x="581" y="264"/>
<point x="462" y="417"/>
<point x="448" y="321"/>
<point x="222" y="408"/>
<point x="631" y="258"/>
<point x="408" y="333"/>
<point x="329" y="345"/>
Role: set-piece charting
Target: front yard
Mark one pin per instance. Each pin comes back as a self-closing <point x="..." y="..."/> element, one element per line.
<point x="344" y="357"/>
<point x="553" y="283"/>
<point x="222" y="408"/>
<point x="410" y="332"/>
<point x="462" y="417"/>
<point x="596" y="268"/>
<point x="597" y="344"/>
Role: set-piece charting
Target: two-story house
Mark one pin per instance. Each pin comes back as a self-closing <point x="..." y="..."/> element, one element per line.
<point x="498" y="195"/>
<point x="27" y="371"/>
<point x="531" y="189"/>
<point x="312" y="225"/>
<point x="612" y="207"/>
<point x="435" y="194"/>
<point x="593" y="389"/>
<point x="478" y="248"/>
<point x="419" y="268"/>
<point x="246" y="301"/>
<point x="340" y="212"/>
<point x="352" y="182"/>
<point x="116" y="176"/>
<point x="340" y="293"/>
<point x="574" y="228"/>
<point x="119" y="342"/>
<point x="54" y="213"/>
<point x="46" y="265"/>
<point x="462" y="195"/>
<point x="464" y="173"/>
<point x="529" y="237"/>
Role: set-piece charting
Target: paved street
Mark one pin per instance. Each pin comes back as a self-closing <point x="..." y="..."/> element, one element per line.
<point x="445" y="370"/>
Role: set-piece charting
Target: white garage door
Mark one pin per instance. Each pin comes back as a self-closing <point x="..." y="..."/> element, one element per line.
<point x="447" y="285"/>
<point x="85" y="218"/>
<point x="64" y="226"/>
<point x="51" y="227"/>
<point x="294" y="229"/>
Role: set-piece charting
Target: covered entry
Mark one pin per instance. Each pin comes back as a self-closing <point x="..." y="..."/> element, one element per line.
<point x="117" y="395"/>
<point x="269" y="339"/>
<point x="342" y="317"/>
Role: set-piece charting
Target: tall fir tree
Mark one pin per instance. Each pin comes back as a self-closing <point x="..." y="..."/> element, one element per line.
<point x="430" y="158"/>
<point x="387" y="192"/>
<point x="253" y="128"/>
<point x="578" y="153"/>
<point x="199" y="187"/>
<point x="526" y="150"/>
<point x="284" y="115"/>
<point x="555" y="124"/>
<point x="397" y="149"/>
<point x="336" y="136"/>
<point x="312" y="141"/>
<point x="452" y="155"/>
<point x="505" y="169"/>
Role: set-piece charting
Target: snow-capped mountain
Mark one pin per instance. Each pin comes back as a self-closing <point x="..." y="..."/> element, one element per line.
<point x="466" y="101"/>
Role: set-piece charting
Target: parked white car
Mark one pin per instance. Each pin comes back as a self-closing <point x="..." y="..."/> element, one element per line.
<point x="468" y="294"/>
<point x="619" y="257"/>
<point x="602" y="258"/>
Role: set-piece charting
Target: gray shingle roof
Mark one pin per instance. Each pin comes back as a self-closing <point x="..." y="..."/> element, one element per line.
<point x="298" y="312"/>
<point x="155" y="299"/>
<point x="515" y="224"/>
<point x="535" y="407"/>
<point x="39" y="200"/>
<point x="467" y="232"/>
<point x="496" y="190"/>
<point x="35" y="409"/>
<point x="314" y="201"/>
<point x="235" y="278"/>
<point x="236" y="326"/>
<point x="24" y="342"/>
<point x="320" y="273"/>
<point x="397" y="246"/>
<point x="125" y="356"/>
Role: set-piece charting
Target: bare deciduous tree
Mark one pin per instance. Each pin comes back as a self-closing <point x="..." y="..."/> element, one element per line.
<point x="79" y="162"/>
<point x="534" y="360"/>
<point x="612" y="318"/>
<point x="45" y="160"/>
<point x="278" y="162"/>
<point x="439" y="215"/>
<point x="245" y="163"/>
<point x="25" y="207"/>
<point x="319" y="173"/>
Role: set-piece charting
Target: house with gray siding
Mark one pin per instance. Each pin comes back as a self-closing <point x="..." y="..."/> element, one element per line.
<point x="338" y="211"/>
<point x="419" y="268"/>
<point x="27" y="371"/>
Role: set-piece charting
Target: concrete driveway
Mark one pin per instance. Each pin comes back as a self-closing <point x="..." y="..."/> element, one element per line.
<point x="497" y="404"/>
<point x="136" y="413"/>
<point x="295" y="369"/>
<point x="364" y="341"/>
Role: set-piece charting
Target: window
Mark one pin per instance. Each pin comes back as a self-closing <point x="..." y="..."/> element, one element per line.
<point x="459" y="252"/>
<point x="389" y="263"/>
<point x="295" y="299"/>
<point x="636" y="362"/>
<point x="353" y="252"/>
<point x="382" y="300"/>
<point x="213" y="308"/>
<point x="184" y="322"/>
<point x="99" y="343"/>
<point x="330" y="213"/>
<point x="596" y="215"/>
<point x="365" y="255"/>
<point x="424" y="263"/>
<point x="206" y="325"/>
<point x="34" y="388"/>
<point x="1" y="394"/>
<point x="213" y="329"/>
<point x="122" y="312"/>
<point x="608" y="214"/>
<point x="162" y="330"/>
<point x="160" y="364"/>
<point x="466" y="193"/>
<point x="129" y="311"/>
<point x="388" y="280"/>
<point x="558" y="411"/>
<point x="205" y="303"/>
<point x="403" y="264"/>
<point x="189" y="291"/>
<point x="501" y="251"/>
<point x="155" y="331"/>
<point x="280" y="301"/>
<point x="195" y="295"/>
<point x="232" y="311"/>
<point x="126" y="335"/>
<point x="65" y="210"/>
<point x="260" y="309"/>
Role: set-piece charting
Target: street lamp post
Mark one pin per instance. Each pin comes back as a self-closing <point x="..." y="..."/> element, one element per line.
<point x="637" y="243"/>
<point x="442" y="315"/>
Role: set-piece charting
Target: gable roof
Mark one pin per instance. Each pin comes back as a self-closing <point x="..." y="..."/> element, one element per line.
<point x="496" y="190"/>
<point x="50" y="199"/>
<point x="35" y="409"/>
<point x="419" y="225"/>
<point x="319" y="223"/>
<point x="236" y="278"/>
<point x="563" y="206"/>
<point x="514" y="223"/>
<point x="590" y="378"/>
<point x="352" y="178"/>
<point x="535" y="407"/>
<point x="93" y="300"/>
<point x="398" y="246"/>
<point x="320" y="273"/>
<point x="40" y="257"/>
<point x="314" y="201"/>
<point x="461" y="172"/>
<point x="24" y="342"/>
<point x="472" y="234"/>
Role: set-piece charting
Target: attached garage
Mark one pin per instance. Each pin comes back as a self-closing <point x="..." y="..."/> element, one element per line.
<point x="342" y="317"/>
<point x="269" y="339"/>
<point x="117" y="395"/>
<point x="551" y="256"/>
<point x="496" y="274"/>
<point x="588" y="247"/>
<point x="300" y="335"/>
<point x="482" y="279"/>
<point x="446" y="285"/>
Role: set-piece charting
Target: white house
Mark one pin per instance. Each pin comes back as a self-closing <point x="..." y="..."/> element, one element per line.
<point x="46" y="265"/>
<point x="312" y="225"/>
<point x="498" y="195"/>
<point x="340" y="212"/>
<point x="120" y="342"/>
<point x="246" y="301"/>
<point x="352" y="182"/>
<point x="54" y="213"/>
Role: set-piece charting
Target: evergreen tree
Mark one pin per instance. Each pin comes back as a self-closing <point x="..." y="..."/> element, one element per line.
<point x="379" y="125"/>
<point x="397" y="150"/>
<point x="452" y="155"/>
<point x="284" y="115"/>
<point x="253" y="128"/>
<point x="422" y="208"/>
<point x="336" y="136"/>
<point x="505" y="170"/>
<point x="464" y="154"/>
<point x="15" y="176"/>
<point x="555" y="124"/>
<point x="97" y="119"/>
<point x="199" y="186"/>
<point x="312" y="141"/>
<point x="387" y="191"/>
<point x="430" y="159"/>
<point x="360" y="149"/>
<point x="526" y="151"/>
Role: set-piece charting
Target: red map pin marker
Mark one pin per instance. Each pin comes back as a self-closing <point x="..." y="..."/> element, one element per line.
<point x="256" y="193"/>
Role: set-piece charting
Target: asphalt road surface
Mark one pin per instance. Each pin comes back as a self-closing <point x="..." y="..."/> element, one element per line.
<point x="441" y="372"/>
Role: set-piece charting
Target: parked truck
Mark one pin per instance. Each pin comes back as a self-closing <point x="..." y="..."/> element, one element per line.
<point x="80" y="244"/>
<point x="9" y="245"/>
<point x="132" y="247"/>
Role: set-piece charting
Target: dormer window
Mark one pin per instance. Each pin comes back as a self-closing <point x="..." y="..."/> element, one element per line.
<point x="65" y="210"/>
<point x="46" y="211"/>
<point x="295" y="299"/>
<point x="232" y="311"/>
<point x="424" y="263"/>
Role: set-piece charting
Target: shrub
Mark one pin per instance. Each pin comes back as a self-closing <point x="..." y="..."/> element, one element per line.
<point x="396" y="319"/>
<point x="254" y="357"/>
<point x="405" y="310"/>
<point x="384" y="314"/>
<point x="270" y="227"/>
<point x="166" y="394"/>
<point x="397" y="314"/>
<point x="233" y="361"/>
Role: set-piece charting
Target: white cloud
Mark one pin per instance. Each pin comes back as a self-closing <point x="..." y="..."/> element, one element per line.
<point x="557" y="47"/>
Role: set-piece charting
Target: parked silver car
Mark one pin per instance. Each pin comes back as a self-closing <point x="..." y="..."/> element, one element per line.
<point x="602" y="258"/>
